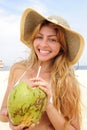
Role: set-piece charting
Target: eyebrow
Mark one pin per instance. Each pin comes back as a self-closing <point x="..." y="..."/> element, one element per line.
<point x="48" y="35"/>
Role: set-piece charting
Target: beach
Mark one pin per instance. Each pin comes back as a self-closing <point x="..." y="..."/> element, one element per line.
<point x="81" y="76"/>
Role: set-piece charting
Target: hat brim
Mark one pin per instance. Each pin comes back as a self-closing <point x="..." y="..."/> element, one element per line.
<point x="30" y="19"/>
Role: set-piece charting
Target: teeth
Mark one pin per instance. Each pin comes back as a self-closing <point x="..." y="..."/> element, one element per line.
<point x="44" y="52"/>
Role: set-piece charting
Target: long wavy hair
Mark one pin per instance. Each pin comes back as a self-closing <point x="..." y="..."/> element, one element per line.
<point x="66" y="90"/>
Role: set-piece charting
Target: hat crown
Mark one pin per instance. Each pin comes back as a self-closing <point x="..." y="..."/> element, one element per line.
<point x="58" y="20"/>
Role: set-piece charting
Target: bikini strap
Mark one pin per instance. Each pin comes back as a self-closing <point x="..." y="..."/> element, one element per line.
<point x="20" y="78"/>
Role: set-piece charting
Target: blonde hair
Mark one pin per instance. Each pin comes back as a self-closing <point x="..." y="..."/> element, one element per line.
<point x="66" y="91"/>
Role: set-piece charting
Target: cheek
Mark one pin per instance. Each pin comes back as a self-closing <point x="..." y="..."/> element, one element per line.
<point x="57" y="49"/>
<point x="35" y="45"/>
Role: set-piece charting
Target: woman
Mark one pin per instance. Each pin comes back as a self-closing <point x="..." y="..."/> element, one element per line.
<point x="56" y="48"/>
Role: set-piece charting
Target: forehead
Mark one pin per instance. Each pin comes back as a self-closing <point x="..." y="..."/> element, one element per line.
<point x="47" y="30"/>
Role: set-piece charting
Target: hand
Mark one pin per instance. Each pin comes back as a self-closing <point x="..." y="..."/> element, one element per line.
<point x="44" y="85"/>
<point x="4" y="115"/>
<point x="21" y="127"/>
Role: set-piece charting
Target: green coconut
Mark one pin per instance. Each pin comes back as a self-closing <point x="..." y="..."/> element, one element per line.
<point x="25" y="104"/>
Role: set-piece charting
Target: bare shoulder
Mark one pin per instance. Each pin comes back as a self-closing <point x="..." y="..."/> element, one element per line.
<point x="16" y="70"/>
<point x="17" y="67"/>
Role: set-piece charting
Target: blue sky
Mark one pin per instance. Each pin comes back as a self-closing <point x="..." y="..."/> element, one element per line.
<point x="11" y="48"/>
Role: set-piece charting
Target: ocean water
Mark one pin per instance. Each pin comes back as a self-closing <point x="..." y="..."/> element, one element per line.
<point x="80" y="67"/>
<point x="77" y="67"/>
<point x="5" y="68"/>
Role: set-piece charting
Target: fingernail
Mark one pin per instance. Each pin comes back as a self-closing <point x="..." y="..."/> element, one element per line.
<point x="33" y="125"/>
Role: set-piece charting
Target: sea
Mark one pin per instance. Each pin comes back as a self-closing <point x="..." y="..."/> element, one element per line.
<point x="7" y="68"/>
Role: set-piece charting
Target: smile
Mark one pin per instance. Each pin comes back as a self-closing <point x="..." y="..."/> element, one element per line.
<point x="44" y="52"/>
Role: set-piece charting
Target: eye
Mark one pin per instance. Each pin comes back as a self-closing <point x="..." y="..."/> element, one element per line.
<point x="38" y="37"/>
<point x="52" y="40"/>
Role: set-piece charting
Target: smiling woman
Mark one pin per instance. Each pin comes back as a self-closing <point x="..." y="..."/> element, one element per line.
<point x="55" y="47"/>
<point x="9" y="23"/>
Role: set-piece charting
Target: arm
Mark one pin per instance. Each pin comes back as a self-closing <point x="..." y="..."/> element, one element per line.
<point x="58" y="120"/>
<point x="15" y="73"/>
<point x="3" y="110"/>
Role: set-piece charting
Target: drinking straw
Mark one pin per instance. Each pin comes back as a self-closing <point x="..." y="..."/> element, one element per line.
<point x="39" y="69"/>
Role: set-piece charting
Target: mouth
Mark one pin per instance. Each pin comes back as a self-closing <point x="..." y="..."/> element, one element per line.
<point x="44" y="52"/>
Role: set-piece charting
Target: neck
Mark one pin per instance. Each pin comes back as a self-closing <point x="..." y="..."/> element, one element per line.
<point x="45" y="66"/>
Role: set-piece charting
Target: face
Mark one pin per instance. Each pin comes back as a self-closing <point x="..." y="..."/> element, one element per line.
<point x="46" y="44"/>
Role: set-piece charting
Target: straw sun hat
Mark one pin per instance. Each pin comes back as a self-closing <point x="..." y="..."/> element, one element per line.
<point x="30" y="19"/>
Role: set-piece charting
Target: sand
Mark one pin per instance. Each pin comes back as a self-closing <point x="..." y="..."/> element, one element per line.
<point x="81" y="76"/>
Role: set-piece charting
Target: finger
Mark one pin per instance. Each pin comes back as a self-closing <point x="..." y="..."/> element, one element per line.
<point x="37" y="83"/>
<point x="19" y="127"/>
<point x="37" y="79"/>
<point x="31" y="127"/>
<point x="43" y="84"/>
<point x="44" y="89"/>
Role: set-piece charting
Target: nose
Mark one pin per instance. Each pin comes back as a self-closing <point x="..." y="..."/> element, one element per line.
<point x="44" y="42"/>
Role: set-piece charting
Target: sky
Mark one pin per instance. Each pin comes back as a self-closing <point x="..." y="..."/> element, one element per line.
<point x="12" y="49"/>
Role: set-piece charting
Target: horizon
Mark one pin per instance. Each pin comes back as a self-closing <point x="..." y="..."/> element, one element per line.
<point x="76" y="67"/>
